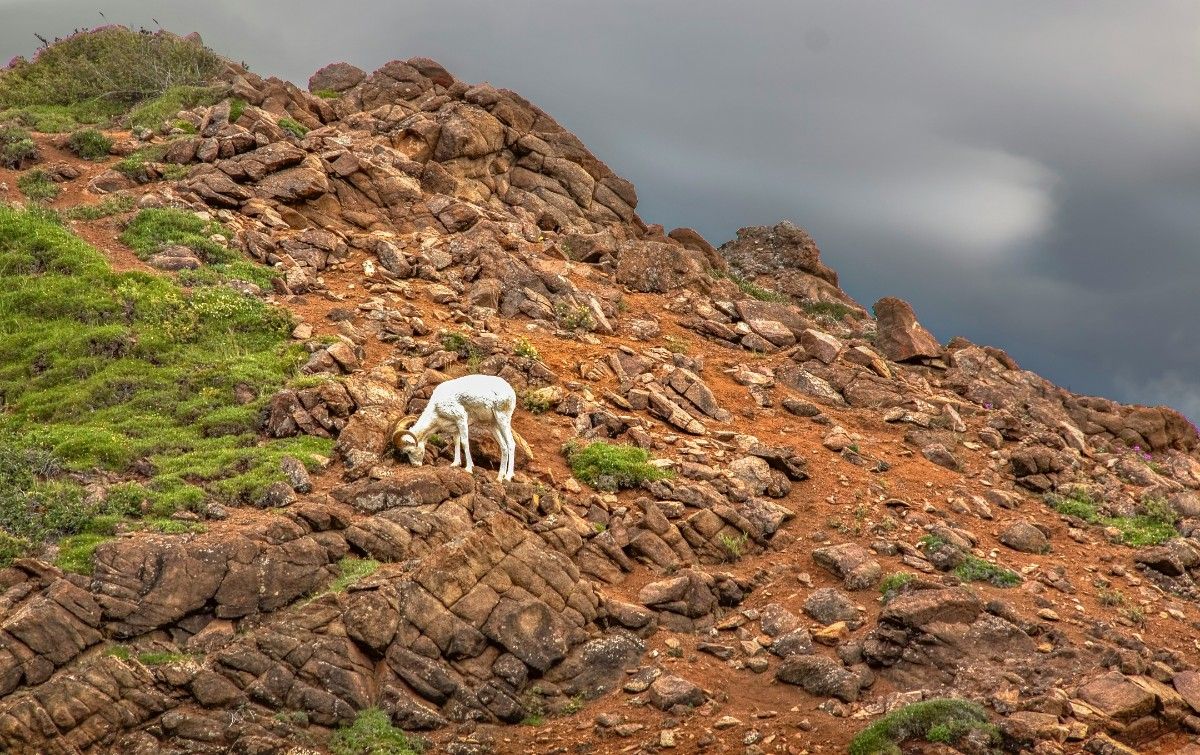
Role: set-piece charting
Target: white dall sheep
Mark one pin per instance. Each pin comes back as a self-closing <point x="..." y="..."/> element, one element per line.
<point x="454" y="404"/>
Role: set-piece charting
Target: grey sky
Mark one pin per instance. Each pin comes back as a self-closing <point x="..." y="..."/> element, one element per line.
<point x="1025" y="173"/>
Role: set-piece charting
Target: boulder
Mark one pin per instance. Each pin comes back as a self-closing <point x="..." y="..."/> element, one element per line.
<point x="668" y="690"/>
<point x="820" y="676"/>
<point x="336" y="77"/>
<point x="851" y="563"/>
<point x="1026" y="537"/>
<point x="900" y="337"/>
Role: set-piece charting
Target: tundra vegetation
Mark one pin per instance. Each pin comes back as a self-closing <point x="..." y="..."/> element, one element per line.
<point x="132" y="374"/>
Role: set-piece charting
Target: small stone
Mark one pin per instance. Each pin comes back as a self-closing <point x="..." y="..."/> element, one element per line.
<point x="726" y="722"/>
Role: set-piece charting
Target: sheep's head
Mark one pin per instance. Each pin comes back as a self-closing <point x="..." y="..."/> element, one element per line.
<point x="407" y="445"/>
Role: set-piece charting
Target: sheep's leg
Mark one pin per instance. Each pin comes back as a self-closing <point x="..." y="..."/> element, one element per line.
<point x="510" y="444"/>
<point x="498" y="436"/>
<point x="465" y="441"/>
<point x="457" y="452"/>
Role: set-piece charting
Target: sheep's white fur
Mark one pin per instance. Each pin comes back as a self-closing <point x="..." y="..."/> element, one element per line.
<point x="455" y="404"/>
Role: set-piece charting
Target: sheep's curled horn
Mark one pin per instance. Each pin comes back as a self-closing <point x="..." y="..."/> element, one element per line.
<point x="401" y="428"/>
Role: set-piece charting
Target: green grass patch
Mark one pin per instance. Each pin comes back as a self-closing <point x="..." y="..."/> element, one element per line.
<point x="975" y="569"/>
<point x="523" y="348"/>
<point x="101" y="369"/>
<point x="943" y="720"/>
<point x="351" y="570"/>
<point x="832" y="309"/>
<point x="75" y="552"/>
<point x="161" y="110"/>
<point x="89" y="144"/>
<point x="120" y="651"/>
<point x="135" y="164"/>
<point x="16" y="147"/>
<point x="754" y="291"/>
<point x="223" y="272"/>
<point x="151" y="231"/>
<point x="36" y="185"/>
<point x="612" y="466"/>
<point x="186" y="127"/>
<point x="236" y="108"/>
<point x="327" y="94"/>
<point x="733" y="544"/>
<point x="60" y="119"/>
<point x="114" y="204"/>
<point x="293" y="127"/>
<point x="372" y="733"/>
<point x="162" y="658"/>
<point x="1154" y="526"/>
<point x="894" y="584"/>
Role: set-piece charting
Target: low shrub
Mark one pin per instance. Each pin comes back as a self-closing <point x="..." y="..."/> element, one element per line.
<point x="36" y="185"/>
<point x="943" y="720"/>
<point x="373" y="733"/>
<point x="152" y="230"/>
<point x="293" y="127"/>
<point x="612" y="466"/>
<point x="89" y="144"/>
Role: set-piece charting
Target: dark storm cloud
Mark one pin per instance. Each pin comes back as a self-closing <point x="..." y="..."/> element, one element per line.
<point x="1025" y="173"/>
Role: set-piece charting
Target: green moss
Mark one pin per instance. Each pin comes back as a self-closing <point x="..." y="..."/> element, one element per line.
<point x="89" y="144"/>
<point x="151" y="231"/>
<point x="944" y="720"/>
<point x="293" y="127"/>
<point x="236" y="108"/>
<point x="372" y="733"/>
<point x="609" y="466"/>
<point x="36" y="185"/>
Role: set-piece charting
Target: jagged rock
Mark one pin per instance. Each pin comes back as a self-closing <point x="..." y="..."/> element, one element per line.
<point x="1117" y="697"/>
<point x="656" y="267"/>
<point x="596" y="666"/>
<point x="688" y="594"/>
<point x="900" y="337"/>
<point x="175" y="258"/>
<point x="1025" y="537"/>
<point x="786" y="258"/>
<point x="821" y="676"/>
<point x="777" y="620"/>
<point x="940" y="455"/>
<point x="851" y="563"/>
<point x="294" y="184"/>
<point x="668" y="691"/>
<point x="820" y="345"/>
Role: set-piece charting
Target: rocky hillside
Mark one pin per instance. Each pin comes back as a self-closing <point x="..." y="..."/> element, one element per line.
<point x="754" y="516"/>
